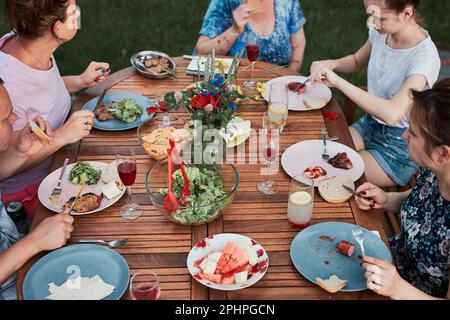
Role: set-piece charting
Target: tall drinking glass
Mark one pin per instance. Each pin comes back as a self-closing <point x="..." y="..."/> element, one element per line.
<point x="270" y="136"/>
<point x="145" y="287"/>
<point x="126" y="167"/>
<point x="301" y="203"/>
<point x="278" y="105"/>
<point x="252" y="49"/>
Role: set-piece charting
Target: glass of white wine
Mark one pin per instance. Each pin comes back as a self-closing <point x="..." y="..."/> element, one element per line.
<point x="278" y="105"/>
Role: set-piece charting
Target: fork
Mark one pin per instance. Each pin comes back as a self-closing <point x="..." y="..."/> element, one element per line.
<point x="359" y="236"/>
<point x="58" y="189"/>
<point x="325" y="155"/>
<point x="112" y="244"/>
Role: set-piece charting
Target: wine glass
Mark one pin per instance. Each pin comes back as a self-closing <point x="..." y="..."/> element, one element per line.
<point x="145" y="287"/>
<point x="270" y="135"/>
<point x="126" y="167"/>
<point x="159" y="97"/>
<point x="252" y="47"/>
<point x="278" y="105"/>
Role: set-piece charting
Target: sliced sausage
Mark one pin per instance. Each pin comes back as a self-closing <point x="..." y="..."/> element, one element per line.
<point x="346" y="248"/>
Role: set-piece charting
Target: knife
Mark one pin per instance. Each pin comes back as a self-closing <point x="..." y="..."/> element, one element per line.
<point x="99" y="102"/>
<point x="76" y="199"/>
<point x="353" y="192"/>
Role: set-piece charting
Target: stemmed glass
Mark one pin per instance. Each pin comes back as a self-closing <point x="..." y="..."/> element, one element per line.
<point x="126" y="167"/>
<point x="278" y="105"/>
<point x="252" y="49"/>
<point x="145" y="287"/>
<point x="270" y="135"/>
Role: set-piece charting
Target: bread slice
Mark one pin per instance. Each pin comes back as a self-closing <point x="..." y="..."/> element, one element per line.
<point x="333" y="191"/>
<point x="332" y="285"/>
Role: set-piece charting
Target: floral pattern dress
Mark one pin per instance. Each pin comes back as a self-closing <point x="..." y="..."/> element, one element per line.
<point x="274" y="48"/>
<point x="422" y="249"/>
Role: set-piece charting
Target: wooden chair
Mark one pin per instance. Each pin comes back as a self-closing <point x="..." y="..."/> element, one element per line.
<point x="391" y="223"/>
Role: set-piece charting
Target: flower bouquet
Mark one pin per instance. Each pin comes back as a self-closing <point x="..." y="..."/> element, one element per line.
<point x="213" y="103"/>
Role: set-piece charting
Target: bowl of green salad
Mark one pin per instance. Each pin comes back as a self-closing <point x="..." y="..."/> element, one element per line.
<point x="212" y="190"/>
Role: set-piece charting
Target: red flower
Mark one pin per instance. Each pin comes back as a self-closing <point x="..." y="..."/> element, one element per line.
<point x="152" y="110"/>
<point x="331" y="115"/>
<point x="199" y="101"/>
<point x="215" y="102"/>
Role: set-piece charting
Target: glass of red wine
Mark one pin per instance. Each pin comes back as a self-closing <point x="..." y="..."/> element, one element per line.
<point x="270" y="144"/>
<point x="252" y="48"/>
<point x="145" y="286"/>
<point x="126" y="167"/>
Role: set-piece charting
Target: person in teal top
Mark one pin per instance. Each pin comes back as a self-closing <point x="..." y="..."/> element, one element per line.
<point x="277" y="24"/>
<point x="50" y="234"/>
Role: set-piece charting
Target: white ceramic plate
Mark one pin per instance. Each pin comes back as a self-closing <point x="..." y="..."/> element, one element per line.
<point x="70" y="190"/>
<point x="307" y="154"/>
<point x="316" y="94"/>
<point x="217" y="243"/>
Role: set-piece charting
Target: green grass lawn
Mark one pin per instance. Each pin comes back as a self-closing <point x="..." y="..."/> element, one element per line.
<point x="113" y="30"/>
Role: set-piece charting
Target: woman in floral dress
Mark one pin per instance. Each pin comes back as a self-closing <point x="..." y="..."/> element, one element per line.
<point x="422" y="249"/>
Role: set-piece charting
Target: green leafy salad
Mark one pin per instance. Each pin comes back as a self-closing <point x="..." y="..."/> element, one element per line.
<point x="208" y="196"/>
<point x="84" y="173"/>
<point x="127" y="110"/>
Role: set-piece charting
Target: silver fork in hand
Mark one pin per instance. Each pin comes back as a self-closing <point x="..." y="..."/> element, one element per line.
<point x="112" y="244"/>
<point x="58" y="190"/>
<point x="325" y="155"/>
<point x="358" y="234"/>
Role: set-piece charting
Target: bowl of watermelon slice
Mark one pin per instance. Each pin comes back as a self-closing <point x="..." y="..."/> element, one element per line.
<point x="228" y="262"/>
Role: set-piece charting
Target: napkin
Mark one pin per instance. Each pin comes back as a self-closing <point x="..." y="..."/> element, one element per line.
<point x="198" y="64"/>
<point x="234" y="130"/>
<point x="81" y="289"/>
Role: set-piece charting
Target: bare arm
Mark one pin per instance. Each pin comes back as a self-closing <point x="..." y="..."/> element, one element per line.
<point x="298" y="43"/>
<point x="395" y="200"/>
<point x="407" y="291"/>
<point x="390" y="111"/>
<point x="221" y="44"/>
<point x="349" y="64"/>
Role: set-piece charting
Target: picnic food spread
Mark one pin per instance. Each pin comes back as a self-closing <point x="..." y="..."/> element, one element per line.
<point x="346" y="248"/>
<point x="85" y="203"/>
<point x="333" y="284"/>
<point x="126" y="110"/>
<point x="156" y="64"/>
<point x="298" y="87"/>
<point x="314" y="172"/>
<point x="156" y="142"/>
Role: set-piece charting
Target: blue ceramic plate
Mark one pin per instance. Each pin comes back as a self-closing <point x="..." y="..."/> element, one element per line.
<point x="117" y="125"/>
<point x="92" y="260"/>
<point x="313" y="253"/>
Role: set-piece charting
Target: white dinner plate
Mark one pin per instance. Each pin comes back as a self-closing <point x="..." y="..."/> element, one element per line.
<point x="298" y="157"/>
<point x="317" y="94"/>
<point x="70" y="190"/>
<point x="218" y="243"/>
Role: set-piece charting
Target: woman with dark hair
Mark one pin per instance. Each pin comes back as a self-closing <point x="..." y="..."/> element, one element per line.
<point x="422" y="249"/>
<point x="36" y="88"/>
<point x="400" y="56"/>
<point x="278" y="25"/>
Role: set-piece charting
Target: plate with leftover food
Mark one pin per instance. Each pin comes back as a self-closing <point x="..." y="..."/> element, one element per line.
<point x="120" y="111"/>
<point x="80" y="272"/>
<point x="154" y="64"/>
<point x="327" y="254"/>
<point x="228" y="262"/>
<point x="302" y="98"/>
<point x="304" y="161"/>
<point x="102" y="188"/>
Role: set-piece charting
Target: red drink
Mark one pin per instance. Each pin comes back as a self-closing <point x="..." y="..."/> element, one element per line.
<point x="298" y="226"/>
<point x="127" y="173"/>
<point x="146" y="293"/>
<point x="270" y="154"/>
<point x="252" y="52"/>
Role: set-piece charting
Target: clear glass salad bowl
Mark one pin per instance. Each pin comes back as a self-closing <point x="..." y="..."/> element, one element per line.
<point x="208" y="199"/>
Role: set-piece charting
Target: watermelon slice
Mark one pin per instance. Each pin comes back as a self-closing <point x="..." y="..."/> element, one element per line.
<point x="228" y="280"/>
<point x="232" y="258"/>
<point x="216" y="278"/>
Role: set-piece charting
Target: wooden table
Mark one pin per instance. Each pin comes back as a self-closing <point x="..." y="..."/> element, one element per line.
<point x="158" y="245"/>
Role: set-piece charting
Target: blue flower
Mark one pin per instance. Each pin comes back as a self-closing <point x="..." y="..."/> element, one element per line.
<point x="218" y="80"/>
<point x="214" y="94"/>
<point x="233" y="106"/>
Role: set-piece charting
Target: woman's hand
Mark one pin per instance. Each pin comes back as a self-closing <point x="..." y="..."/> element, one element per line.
<point x="326" y="76"/>
<point x="95" y="73"/>
<point x="77" y="127"/>
<point x="241" y="17"/>
<point x="28" y="143"/>
<point x="319" y="65"/>
<point x="382" y="277"/>
<point x="53" y="232"/>
<point x="370" y="196"/>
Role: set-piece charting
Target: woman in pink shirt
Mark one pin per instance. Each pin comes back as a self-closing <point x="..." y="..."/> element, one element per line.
<point x="36" y="88"/>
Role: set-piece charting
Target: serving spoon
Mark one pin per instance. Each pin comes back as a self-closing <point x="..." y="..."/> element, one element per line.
<point x="186" y="192"/>
<point x="170" y="201"/>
